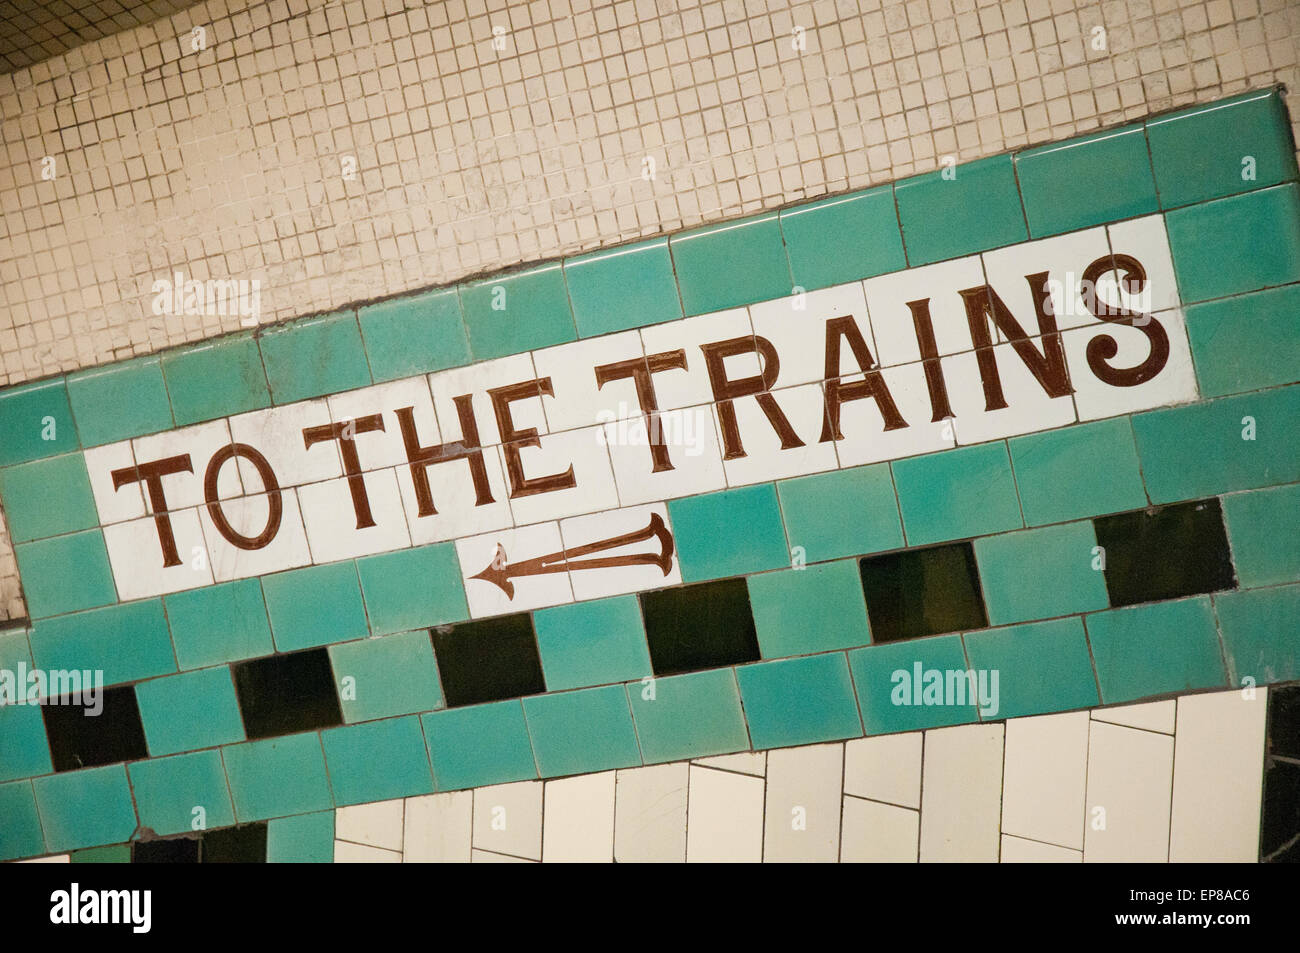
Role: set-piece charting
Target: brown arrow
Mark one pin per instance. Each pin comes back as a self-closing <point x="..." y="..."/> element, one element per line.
<point x="499" y="572"/>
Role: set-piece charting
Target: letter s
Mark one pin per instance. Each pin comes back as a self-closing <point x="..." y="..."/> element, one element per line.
<point x="1103" y="347"/>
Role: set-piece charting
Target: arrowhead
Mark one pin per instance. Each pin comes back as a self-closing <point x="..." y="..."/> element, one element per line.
<point x="498" y="573"/>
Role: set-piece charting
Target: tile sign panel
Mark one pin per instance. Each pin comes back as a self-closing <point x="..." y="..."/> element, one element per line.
<point x="1031" y="419"/>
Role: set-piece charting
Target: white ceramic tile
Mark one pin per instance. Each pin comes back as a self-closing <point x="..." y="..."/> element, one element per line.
<point x="532" y="591"/>
<point x="577" y="399"/>
<point x="477" y="380"/>
<point x="455" y="499"/>
<point x="862" y="422"/>
<point x="724" y="817"/>
<point x="1064" y="258"/>
<point x="248" y="517"/>
<point x="804" y="409"/>
<point x="581" y="454"/>
<point x="508" y="819"/>
<point x="1146" y="240"/>
<point x="186" y="488"/>
<point x="348" y="853"/>
<point x="578" y="819"/>
<point x="1127" y="807"/>
<point x="1151" y="716"/>
<point x="961" y="794"/>
<point x="1045" y="778"/>
<point x="802" y="813"/>
<point x="595" y="583"/>
<point x="1218" y="777"/>
<point x="438" y="828"/>
<point x="885" y="768"/>
<point x="796" y="328"/>
<point x="745" y="762"/>
<point x="650" y="814"/>
<point x="692" y="386"/>
<point x="490" y="857"/>
<point x="1174" y="383"/>
<point x="1017" y="850"/>
<point x="51" y="859"/>
<point x="1028" y="408"/>
<point x="891" y="318"/>
<point x="875" y="833"/>
<point x="113" y="505"/>
<point x="377" y="449"/>
<point x="378" y="824"/>
<point x="331" y="517"/>
<point x="694" y="455"/>
<point x="136" y="557"/>
<point x="276" y="433"/>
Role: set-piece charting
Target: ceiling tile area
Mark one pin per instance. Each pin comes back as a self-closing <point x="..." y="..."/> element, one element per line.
<point x="34" y="30"/>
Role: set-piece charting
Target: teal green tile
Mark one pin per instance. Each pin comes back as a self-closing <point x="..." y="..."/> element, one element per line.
<point x="688" y="716"/>
<point x="977" y="207"/>
<point x="729" y="533"/>
<point x="85" y="808"/>
<point x="843" y="238"/>
<point x="1108" y="175"/>
<point x="302" y="839"/>
<point x="315" y="606"/>
<point x="1040" y="573"/>
<point x="1202" y="449"/>
<point x="1201" y="153"/>
<point x="217" y="378"/>
<point x="1155" y="649"/>
<point x="592" y="643"/>
<point x="583" y="731"/>
<point x="480" y="744"/>
<point x="1032" y="669"/>
<point x="414" y="335"/>
<point x="1075" y="472"/>
<point x="312" y="357"/>
<point x="277" y="777"/>
<point x="891" y="682"/>
<point x="65" y="573"/>
<point x="957" y="493"/>
<point x="216" y="624"/>
<point x="1247" y="342"/>
<point x="1262" y="554"/>
<point x="127" y="642"/>
<point x="848" y="512"/>
<point x="811" y="609"/>
<point x="626" y="287"/>
<point x="516" y="312"/>
<point x="36" y="420"/>
<point x="799" y="701"/>
<point x="391" y="675"/>
<point x="169" y="792"/>
<point x="14" y="649"/>
<point x="732" y="264"/>
<point x="189" y="711"/>
<point x="1261" y="633"/>
<point x="118" y="401"/>
<point x="411" y="588"/>
<point x="47" y="497"/>
<point x="20" y="834"/>
<point x="377" y="761"/>
<point x="24" y="751"/>
<point x="112" y="854"/>
<point x="1238" y="244"/>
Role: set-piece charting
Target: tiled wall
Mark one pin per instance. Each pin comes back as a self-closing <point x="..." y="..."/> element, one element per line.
<point x="1086" y="548"/>
<point x="1171" y="780"/>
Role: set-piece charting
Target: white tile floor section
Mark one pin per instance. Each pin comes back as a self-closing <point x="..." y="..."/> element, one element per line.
<point x="1175" y="780"/>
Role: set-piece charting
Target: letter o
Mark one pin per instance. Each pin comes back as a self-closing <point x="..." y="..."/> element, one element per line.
<point x="269" y="482"/>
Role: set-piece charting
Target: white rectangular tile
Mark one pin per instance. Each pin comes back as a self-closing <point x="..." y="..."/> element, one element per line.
<point x="456" y="504"/>
<point x="574" y="462"/>
<point x="691" y="455"/>
<point x="1018" y="850"/>
<point x="1146" y="240"/>
<point x="1129" y="777"/>
<point x="577" y="398"/>
<point x="892" y="323"/>
<point x="114" y="503"/>
<point x="344" y="521"/>
<point x="479" y="380"/>
<point x="1064" y="259"/>
<point x="769" y="454"/>
<point x="508" y="819"/>
<point x="1029" y="405"/>
<point x="378" y="824"/>
<point x="277" y="434"/>
<point x="650" y="814"/>
<point x="796" y="328"/>
<point x="875" y="833"/>
<point x="961" y="794"/>
<point x="1134" y="378"/>
<point x="346" y="852"/>
<point x="247" y="519"/>
<point x="691" y="386"/>
<point x="744" y="762"/>
<point x="578" y="819"/>
<point x="1045" y="778"/>
<point x="493" y="555"/>
<point x="885" y="768"/>
<point x="1150" y="716"/>
<point x="802" y="813"/>
<point x="865" y="422"/>
<point x="439" y="828"/>
<point x="137" y="557"/>
<point x="647" y="531"/>
<point x="379" y="448"/>
<point x="724" y="817"/>
<point x="196" y="446"/>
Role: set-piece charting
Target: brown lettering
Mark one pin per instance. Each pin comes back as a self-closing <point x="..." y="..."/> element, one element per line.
<point x="420" y="458"/>
<point x="1104" y="347"/>
<point x="839" y="391"/>
<point x="345" y="433"/>
<point x="640" y="370"/>
<point x="982" y="306"/>
<point x="512" y="440"/>
<point x="934" y="381"/>
<point x="151" y="474"/>
<point x="274" y="500"/>
<point x="725" y="391"/>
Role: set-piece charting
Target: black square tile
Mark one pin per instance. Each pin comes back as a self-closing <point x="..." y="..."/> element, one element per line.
<point x="174" y="850"/>
<point x="706" y="625"/>
<point x="488" y="660"/>
<point x="235" y="845"/>
<point x="79" y="739"/>
<point x="1173" y="551"/>
<point x="919" y="592"/>
<point x="1284" y="722"/>
<point x="1279" y="834"/>
<point x="285" y="694"/>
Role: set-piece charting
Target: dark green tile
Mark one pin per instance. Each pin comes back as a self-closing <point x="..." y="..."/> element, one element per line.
<point x="732" y="264"/>
<point x="488" y="660"/>
<point x="377" y="761"/>
<point x="1165" y="553"/>
<point x="688" y="716"/>
<point x="287" y="694"/>
<point x="977" y="207"/>
<point x="843" y="239"/>
<point x="1247" y="342"/>
<point x="120" y="400"/>
<point x="707" y="625"/>
<point x="631" y="286"/>
<point x="1155" y="649"/>
<point x="217" y="378"/>
<point x="47" y="497"/>
<point x="920" y="592"/>
<point x="413" y="588"/>
<point x="842" y="513"/>
<point x="315" y="606"/>
<point x="582" y="731"/>
<point x="1077" y="472"/>
<point x="217" y="624"/>
<point x="414" y="335"/>
<point x="1032" y="669"/>
<point x="88" y="733"/>
<point x="315" y="356"/>
<point x="516" y="312"/>
<point x="811" y="609"/>
<point x="36" y="420"/>
<point x="799" y="701"/>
